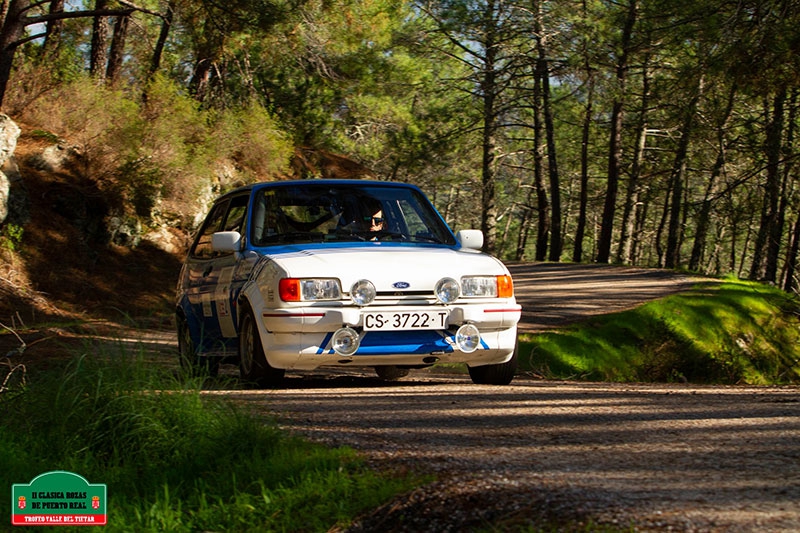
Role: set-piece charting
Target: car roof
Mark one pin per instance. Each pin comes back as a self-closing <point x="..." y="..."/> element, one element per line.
<point x="289" y="183"/>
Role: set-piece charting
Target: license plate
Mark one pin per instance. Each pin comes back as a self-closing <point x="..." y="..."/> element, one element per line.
<point x="405" y="320"/>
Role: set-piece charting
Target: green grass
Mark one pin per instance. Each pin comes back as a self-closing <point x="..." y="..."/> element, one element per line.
<point x="731" y="332"/>
<point x="174" y="460"/>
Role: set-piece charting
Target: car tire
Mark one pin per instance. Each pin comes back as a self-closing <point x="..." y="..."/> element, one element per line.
<point x="188" y="357"/>
<point x="253" y="365"/>
<point x="500" y="374"/>
<point x="391" y="372"/>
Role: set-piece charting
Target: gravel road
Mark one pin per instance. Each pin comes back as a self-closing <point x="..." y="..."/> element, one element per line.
<point x="556" y="294"/>
<point x="641" y="457"/>
<point x="561" y="455"/>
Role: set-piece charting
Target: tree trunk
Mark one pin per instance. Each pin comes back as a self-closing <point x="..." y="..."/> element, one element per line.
<point x="765" y="261"/>
<point x="522" y="238"/>
<point x="645" y="197"/>
<point x="704" y="217"/>
<point x="98" y="56"/>
<point x="615" y="139"/>
<point x="543" y="74"/>
<point x="4" y="5"/>
<point x="672" y="256"/>
<point x="580" y="229"/>
<point x="663" y="224"/>
<point x="583" y="202"/>
<point x="52" y="39"/>
<point x="542" y="204"/>
<point x="117" y="54"/>
<point x="628" y="226"/>
<point x="489" y="88"/>
<point x="166" y="25"/>
<point x="789" y="284"/>
<point x="773" y="249"/>
<point x="12" y="32"/>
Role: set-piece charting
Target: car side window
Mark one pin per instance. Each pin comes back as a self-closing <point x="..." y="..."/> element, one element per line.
<point x="234" y="220"/>
<point x="225" y="216"/>
<point x="202" y="245"/>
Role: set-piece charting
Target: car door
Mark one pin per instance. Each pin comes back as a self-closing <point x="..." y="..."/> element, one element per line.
<point x="209" y="280"/>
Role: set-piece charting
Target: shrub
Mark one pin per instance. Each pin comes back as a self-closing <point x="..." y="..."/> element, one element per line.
<point x="165" y="156"/>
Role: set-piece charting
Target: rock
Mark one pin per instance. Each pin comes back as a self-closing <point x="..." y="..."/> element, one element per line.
<point x="53" y="158"/>
<point x="166" y="240"/>
<point x="9" y="133"/>
<point x="5" y="189"/>
<point x="125" y="231"/>
<point x="14" y="202"/>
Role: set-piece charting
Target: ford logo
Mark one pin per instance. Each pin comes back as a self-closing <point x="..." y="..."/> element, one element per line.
<point x="401" y="285"/>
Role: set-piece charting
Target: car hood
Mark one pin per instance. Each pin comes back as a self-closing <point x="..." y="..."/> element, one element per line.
<point x="419" y="267"/>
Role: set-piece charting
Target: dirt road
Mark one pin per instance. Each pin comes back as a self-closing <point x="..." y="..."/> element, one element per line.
<point x="647" y="457"/>
<point x="555" y="294"/>
<point x="642" y="457"/>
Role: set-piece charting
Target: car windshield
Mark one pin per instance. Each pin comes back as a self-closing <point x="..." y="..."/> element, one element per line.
<point x="302" y="213"/>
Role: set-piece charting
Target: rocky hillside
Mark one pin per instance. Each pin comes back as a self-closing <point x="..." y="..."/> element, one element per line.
<point x="59" y="255"/>
<point x="66" y="252"/>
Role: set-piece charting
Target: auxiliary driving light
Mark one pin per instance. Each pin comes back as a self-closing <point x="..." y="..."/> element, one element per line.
<point x="468" y="338"/>
<point x="345" y="341"/>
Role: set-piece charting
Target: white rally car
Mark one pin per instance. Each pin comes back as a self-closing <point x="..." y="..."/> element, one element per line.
<point x="296" y="275"/>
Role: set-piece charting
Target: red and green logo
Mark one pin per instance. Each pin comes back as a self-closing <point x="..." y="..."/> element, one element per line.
<point x="58" y="498"/>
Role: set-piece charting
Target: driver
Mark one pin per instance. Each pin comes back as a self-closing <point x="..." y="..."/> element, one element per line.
<point x="373" y="219"/>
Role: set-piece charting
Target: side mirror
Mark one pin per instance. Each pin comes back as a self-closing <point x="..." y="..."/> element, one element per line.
<point x="226" y="241"/>
<point x="471" y="239"/>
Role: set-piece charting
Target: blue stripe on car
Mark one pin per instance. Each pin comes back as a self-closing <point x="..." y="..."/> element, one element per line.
<point x="411" y="342"/>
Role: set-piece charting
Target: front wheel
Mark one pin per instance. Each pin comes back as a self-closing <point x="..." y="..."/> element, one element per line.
<point x="253" y="365"/>
<point x="500" y="374"/>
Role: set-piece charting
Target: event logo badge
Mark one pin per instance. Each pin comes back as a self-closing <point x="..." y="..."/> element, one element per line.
<point x="59" y="498"/>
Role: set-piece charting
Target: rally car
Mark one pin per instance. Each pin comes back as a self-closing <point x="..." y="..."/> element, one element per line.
<point x="298" y="275"/>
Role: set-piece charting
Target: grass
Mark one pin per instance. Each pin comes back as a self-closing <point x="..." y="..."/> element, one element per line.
<point x="731" y="332"/>
<point x="174" y="460"/>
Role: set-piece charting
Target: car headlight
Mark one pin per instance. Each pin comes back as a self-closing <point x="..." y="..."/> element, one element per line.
<point x="447" y="290"/>
<point x="309" y="290"/>
<point x="487" y="286"/>
<point x="363" y="292"/>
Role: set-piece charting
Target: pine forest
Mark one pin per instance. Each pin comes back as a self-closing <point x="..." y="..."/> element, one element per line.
<point x="659" y="133"/>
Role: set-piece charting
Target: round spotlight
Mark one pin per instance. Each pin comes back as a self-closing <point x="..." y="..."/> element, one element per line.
<point x="362" y="292"/>
<point x="345" y="341"/>
<point x="447" y="290"/>
<point x="468" y="338"/>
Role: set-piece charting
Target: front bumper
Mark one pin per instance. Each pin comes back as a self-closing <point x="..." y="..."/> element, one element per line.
<point x="301" y="338"/>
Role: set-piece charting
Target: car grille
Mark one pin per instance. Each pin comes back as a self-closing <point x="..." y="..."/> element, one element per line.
<point x="406" y="298"/>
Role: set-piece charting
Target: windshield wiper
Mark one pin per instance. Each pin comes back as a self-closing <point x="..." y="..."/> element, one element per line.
<point x="300" y="236"/>
<point x="381" y="234"/>
<point x="346" y="235"/>
<point x="425" y="238"/>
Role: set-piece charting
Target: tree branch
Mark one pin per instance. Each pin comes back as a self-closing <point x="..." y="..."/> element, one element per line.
<point x="77" y="14"/>
<point x="141" y="9"/>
